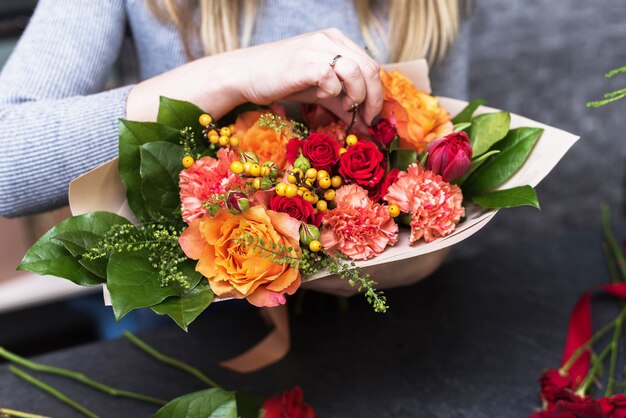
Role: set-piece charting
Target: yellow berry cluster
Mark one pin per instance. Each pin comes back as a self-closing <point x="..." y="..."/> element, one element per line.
<point x="315" y="186"/>
<point x="263" y="175"/>
<point x="222" y="137"/>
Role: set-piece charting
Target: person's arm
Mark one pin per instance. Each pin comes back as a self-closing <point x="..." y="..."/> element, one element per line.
<point x="53" y="125"/>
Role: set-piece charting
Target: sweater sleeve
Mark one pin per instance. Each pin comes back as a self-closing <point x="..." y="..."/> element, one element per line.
<point x="55" y="124"/>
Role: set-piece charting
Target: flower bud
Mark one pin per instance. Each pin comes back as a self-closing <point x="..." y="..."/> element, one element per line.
<point x="237" y="202"/>
<point x="308" y="233"/>
<point x="302" y="163"/>
<point x="273" y="168"/>
<point x="266" y="183"/>
<point x="450" y="156"/>
<point x="249" y="156"/>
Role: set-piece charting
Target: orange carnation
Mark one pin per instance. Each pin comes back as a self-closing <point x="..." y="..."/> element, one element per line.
<point x="265" y="142"/>
<point x="237" y="270"/>
<point x="417" y="115"/>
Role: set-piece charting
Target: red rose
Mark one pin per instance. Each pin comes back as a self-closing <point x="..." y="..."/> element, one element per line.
<point x="583" y="408"/>
<point x="292" y="150"/>
<point x="614" y="407"/>
<point x="450" y="156"/>
<point x="321" y="150"/>
<point x="383" y="133"/>
<point x="363" y="164"/>
<point x="555" y="387"/>
<point x="288" y="405"/>
<point x="296" y="207"/>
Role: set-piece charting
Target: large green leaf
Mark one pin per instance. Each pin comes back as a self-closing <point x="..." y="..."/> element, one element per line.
<point x="132" y="136"/>
<point x="488" y="129"/>
<point x="514" y="150"/>
<point x="159" y="169"/>
<point x="185" y="309"/>
<point x="134" y="283"/>
<point x="209" y="403"/>
<point x="179" y="114"/>
<point x="509" y="198"/>
<point x="465" y="115"/>
<point x="78" y="233"/>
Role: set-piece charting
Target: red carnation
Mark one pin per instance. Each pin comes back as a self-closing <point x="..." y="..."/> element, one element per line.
<point x="321" y="150"/>
<point x="614" y="407"/>
<point x="296" y="207"/>
<point x="450" y="156"/>
<point x="288" y="405"/>
<point x="363" y="164"/>
<point x="383" y="133"/>
<point x="555" y="387"/>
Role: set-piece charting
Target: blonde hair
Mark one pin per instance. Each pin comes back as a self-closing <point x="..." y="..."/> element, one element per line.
<point x="417" y="28"/>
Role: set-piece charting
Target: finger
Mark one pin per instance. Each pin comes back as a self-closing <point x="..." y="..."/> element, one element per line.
<point x="329" y="83"/>
<point x="370" y="70"/>
<point x="349" y="72"/>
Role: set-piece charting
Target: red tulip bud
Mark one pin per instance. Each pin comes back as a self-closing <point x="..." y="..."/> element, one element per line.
<point x="450" y="156"/>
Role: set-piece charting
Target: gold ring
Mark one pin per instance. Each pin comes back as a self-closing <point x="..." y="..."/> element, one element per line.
<point x="334" y="61"/>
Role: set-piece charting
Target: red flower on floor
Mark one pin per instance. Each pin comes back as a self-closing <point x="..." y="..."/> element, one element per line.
<point x="288" y="405"/>
<point x="614" y="407"/>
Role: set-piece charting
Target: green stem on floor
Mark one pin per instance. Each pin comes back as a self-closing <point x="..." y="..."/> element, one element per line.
<point x="170" y="361"/>
<point x="586" y="346"/>
<point x="52" y="391"/>
<point x="7" y="413"/>
<point x="614" y="247"/>
<point x="595" y="369"/>
<point x="614" y="345"/>
<point x="12" y="357"/>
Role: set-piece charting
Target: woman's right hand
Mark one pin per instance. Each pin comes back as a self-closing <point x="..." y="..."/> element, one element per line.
<point x="295" y="69"/>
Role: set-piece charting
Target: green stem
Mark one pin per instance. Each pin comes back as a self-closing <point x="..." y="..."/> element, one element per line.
<point x="610" y="261"/>
<point x="614" y="351"/>
<point x="587" y="345"/>
<point x="52" y="391"/>
<point x="618" y="254"/>
<point x="78" y="377"/>
<point x="595" y="369"/>
<point x="4" y="412"/>
<point x="170" y="361"/>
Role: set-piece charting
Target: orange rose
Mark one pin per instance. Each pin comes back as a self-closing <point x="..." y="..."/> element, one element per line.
<point x="417" y="115"/>
<point x="237" y="270"/>
<point x="266" y="143"/>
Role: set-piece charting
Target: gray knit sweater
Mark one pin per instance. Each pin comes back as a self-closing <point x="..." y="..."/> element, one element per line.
<point x="56" y="122"/>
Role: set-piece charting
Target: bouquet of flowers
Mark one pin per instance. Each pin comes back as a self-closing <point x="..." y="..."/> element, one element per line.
<point x="254" y="205"/>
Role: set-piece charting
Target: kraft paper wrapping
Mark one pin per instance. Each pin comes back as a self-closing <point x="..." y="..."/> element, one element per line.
<point x="101" y="189"/>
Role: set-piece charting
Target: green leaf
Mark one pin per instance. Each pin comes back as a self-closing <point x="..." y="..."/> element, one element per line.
<point x="132" y="136"/>
<point x="461" y="126"/>
<point x="185" y="309"/>
<point x="179" y="114"/>
<point x="514" y="150"/>
<point x="248" y="406"/>
<point x="476" y="162"/>
<point x="509" y="198"/>
<point x="134" y="283"/>
<point x="402" y="158"/>
<point x="77" y="243"/>
<point x="465" y="115"/>
<point x="51" y="256"/>
<point x="209" y="403"/>
<point x="159" y="169"/>
<point x="488" y="129"/>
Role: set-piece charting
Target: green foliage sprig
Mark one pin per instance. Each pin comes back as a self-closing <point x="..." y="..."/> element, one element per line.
<point x="310" y="263"/>
<point x="159" y="241"/>
<point x="613" y="95"/>
<point x="279" y="124"/>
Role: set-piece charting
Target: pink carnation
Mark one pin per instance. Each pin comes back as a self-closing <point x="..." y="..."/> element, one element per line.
<point x="434" y="205"/>
<point x="357" y="227"/>
<point x="206" y="178"/>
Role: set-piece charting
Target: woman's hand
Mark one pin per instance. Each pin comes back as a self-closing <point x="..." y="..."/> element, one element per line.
<point x="297" y="69"/>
